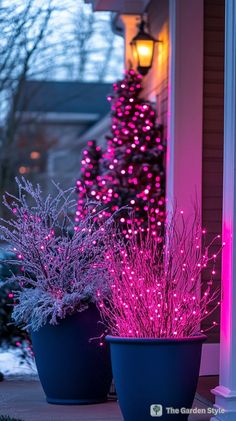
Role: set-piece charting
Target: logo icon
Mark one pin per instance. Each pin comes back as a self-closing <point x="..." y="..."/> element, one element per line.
<point x="156" y="410"/>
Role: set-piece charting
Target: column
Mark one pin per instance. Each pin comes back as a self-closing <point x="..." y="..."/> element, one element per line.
<point x="226" y="391"/>
<point x="184" y="154"/>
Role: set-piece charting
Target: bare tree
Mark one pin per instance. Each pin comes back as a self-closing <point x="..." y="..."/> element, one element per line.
<point x="34" y="44"/>
<point x="23" y="30"/>
<point x="94" y="44"/>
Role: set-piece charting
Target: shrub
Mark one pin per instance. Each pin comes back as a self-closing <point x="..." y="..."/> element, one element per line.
<point x="61" y="266"/>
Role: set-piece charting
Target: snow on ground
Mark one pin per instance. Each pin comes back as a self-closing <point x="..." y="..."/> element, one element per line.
<point x="12" y="365"/>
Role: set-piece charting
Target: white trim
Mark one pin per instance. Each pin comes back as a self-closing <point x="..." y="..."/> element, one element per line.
<point x="210" y="360"/>
<point x="51" y="161"/>
<point x="54" y="117"/>
<point x="226" y="391"/>
<point x="97" y="131"/>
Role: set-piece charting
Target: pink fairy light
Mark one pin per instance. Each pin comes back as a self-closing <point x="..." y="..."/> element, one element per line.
<point x="150" y="295"/>
<point x="111" y="168"/>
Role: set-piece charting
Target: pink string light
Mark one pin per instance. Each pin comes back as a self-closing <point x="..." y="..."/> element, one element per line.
<point x="130" y="170"/>
<point x="156" y="291"/>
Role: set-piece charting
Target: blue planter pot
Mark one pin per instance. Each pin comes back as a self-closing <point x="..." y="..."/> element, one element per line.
<point x="72" y="369"/>
<point x="153" y="374"/>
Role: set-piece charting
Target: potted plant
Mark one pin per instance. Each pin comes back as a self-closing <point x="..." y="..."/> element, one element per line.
<point x="154" y="311"/>
<point x="61" y="278"/>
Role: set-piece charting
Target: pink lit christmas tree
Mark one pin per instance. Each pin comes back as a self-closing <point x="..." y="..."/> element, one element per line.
<point x="131" y="169"/>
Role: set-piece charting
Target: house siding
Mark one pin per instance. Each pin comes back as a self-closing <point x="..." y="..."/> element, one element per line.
<point x="213" y="137"/>
<point x="156" y="83"/>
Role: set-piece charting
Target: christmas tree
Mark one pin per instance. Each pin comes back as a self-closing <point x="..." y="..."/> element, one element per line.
<point x="131" y="169"/>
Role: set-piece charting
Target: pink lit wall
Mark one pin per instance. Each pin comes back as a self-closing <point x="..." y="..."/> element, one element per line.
<point x="213" y="126"/>
<point x="184" y="156"/>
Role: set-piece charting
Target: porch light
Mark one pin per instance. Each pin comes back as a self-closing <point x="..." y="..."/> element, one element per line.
<point x="143" y="45"/>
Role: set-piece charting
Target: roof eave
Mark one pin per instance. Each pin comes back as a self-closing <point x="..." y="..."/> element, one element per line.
<point x="120" y="6"/>
<point x="57" y="117"/>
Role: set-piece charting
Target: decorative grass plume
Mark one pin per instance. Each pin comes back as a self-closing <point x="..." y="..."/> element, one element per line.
<point x="156" y="291"/>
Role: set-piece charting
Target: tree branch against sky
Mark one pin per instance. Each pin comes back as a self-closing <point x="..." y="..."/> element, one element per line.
<point x="43" y="41"/>
<point x="95" y="48"/>
<point x="22" y="29"/>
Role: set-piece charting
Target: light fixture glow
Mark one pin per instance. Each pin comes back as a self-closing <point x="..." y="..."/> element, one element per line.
<point x="143" y="45"/>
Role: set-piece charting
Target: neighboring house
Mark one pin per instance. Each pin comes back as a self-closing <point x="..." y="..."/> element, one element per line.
<point x="192" y="67"/>
<point x="54" y="119"/>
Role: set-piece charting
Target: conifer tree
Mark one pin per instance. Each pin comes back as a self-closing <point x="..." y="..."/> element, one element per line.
<point x="130" y="171"/>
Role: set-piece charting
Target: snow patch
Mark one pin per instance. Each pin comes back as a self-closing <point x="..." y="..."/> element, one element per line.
<point x="12" y="364"/>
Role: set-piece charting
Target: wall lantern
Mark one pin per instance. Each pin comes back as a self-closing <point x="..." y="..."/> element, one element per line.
<point x="143" y="45"/>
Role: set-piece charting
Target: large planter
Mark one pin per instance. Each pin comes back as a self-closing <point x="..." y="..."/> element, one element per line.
<point x="72" y="369"/>
<point x="154" y="374"/>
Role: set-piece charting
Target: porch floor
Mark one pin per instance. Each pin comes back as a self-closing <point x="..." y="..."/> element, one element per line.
<point x="25" y="399"/>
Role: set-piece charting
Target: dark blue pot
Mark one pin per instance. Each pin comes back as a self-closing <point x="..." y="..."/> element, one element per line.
<point x="149" y="372"/>
<point x="72" y="369"/>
